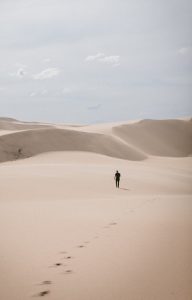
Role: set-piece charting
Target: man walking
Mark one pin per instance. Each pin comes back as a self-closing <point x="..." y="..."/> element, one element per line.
<point x="117" y="178"/>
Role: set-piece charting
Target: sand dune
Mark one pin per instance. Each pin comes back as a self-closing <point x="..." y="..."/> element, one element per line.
<point x="13" y="124"/>
<point x="33" y="142"/>
<point x="66" y="231"/>
<point x="131" y="141"/>
<point x="159" y="137"/>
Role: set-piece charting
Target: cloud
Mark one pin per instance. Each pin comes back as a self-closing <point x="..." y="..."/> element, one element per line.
<point x="47" y="74"/>
<point x="20" y="72"/>
<point x="113" y="60"/>
<point x="42" y="92"/>
<point x="87" y="40"/>
<point x="33" y="94"/>
<point x="94" y="57"/>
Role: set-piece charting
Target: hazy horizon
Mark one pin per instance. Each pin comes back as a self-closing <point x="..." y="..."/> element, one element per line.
<point x="91" y="62"/>
<point x="7" y="118"/>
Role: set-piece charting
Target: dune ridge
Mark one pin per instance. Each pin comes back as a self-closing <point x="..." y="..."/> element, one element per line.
<point x="67" y="232"/>
<point x="13" y="124"/>
<point x="159" y="137"/>
<point x="131" y="141"/>
<point x="33" y="142"/>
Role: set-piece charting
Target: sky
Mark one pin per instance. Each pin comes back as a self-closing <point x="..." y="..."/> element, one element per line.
<point x="85" y="61"/>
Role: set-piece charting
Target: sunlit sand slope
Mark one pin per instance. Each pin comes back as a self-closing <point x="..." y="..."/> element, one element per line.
<point x="131" y="141"/>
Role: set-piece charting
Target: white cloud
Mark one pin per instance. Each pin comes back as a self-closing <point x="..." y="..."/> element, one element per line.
<point x="113" y="60"/>
<point x="94" y="57"/>
<point x="47" y="73"/>
<point x="20" y="73"/>
<point x="33" y="94"/>
<point x="42" y="92"/>
<point x="144" y="37"/>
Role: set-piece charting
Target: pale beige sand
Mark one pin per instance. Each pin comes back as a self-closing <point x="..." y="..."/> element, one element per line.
<point x="136" y="240"/>
<point x="4" y="132"/>
<point x="133" y="141"/>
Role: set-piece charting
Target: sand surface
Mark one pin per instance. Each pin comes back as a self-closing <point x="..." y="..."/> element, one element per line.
<point x="66" y="232"/>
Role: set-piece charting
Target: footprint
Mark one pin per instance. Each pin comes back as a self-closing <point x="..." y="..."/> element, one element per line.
<point x="43" y="293"/>
<point x="56" y="265"/>
<point x="81" y="246"/>
<point x="67" y="257"/>
<point x="113" y="223"/>
<point x="68" y="272"/>
<point x="46" y="282"/>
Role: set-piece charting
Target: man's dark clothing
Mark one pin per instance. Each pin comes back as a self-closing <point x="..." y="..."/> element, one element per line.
<point x="117" y="178"/>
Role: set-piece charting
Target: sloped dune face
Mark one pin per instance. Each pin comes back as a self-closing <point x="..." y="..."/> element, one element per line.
<point x="29" y="143"/>
<point x="132" y="141"/>
<point x="171" y="138"/>
<point x="13" y="124"/>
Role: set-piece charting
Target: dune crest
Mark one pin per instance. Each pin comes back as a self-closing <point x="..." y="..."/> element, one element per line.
<point x="131" y="141"/>
<point x="13" y="124"/>
<point x="29" y="143"/>
<point x="171" y="138"/>
<point x="67" y="232"/>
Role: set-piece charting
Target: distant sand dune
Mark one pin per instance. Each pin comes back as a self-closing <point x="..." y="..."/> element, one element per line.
<point x="159" y="137"/>
<point x="12" y="124"/>
<point x="130" y="141"/>
<point x="33" y="142"/>
<point x="67" y="232"/>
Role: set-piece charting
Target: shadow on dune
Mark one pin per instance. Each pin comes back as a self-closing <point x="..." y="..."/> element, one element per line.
<point x="135" y="141"/>
<point x="172" y="138"/>
<point x="33" y="142"/>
